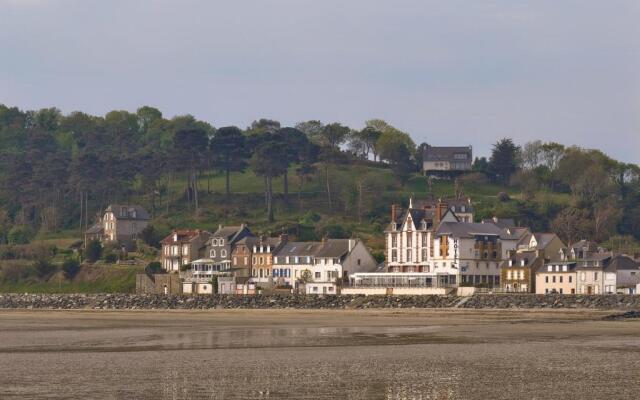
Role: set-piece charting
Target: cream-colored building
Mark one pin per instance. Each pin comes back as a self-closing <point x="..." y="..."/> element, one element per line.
<point x="120" y="223"/>
<point x="558" y="277"/>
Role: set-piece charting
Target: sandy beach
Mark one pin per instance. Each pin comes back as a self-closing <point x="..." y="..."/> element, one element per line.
<point x="375" y="354"/>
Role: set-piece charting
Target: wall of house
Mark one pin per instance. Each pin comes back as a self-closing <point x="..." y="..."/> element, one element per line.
<point x="436" y="166"/>
<point x="158" y="284"/>
<point x="545" y="282"/>
<point x="359" y="260"/>
<point x="590" y="281"/>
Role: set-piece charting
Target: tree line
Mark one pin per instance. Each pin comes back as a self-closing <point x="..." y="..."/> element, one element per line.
<point x="57" y="171"/>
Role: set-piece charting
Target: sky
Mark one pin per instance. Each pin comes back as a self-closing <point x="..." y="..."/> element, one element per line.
<point x="447" y="72"/>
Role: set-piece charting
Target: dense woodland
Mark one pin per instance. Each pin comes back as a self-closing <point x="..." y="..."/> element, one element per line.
<point x="57" y="172"/>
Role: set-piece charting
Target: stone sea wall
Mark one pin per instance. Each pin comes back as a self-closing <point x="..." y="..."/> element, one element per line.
<point x="152" y="302"/>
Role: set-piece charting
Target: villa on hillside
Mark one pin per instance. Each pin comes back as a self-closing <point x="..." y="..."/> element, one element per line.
<point x="441" y="160"/>
<point x="119" y="224"/>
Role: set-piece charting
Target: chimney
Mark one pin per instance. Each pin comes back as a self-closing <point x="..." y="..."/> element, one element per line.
<point x="393" y="213"/>
<point x="284" y="237"/>
<point x="352" y="243"/>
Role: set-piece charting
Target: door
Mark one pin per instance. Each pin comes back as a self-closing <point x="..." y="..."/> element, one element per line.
<point x="589" y="290"/>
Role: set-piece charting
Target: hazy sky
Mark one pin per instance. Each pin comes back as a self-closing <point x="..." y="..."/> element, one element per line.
<point x="448" y="72"/>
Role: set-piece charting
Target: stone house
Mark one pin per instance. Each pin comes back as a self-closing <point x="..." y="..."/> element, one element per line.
<point x="119" y="224"/>
<point x="518" y="273"/>
<point x="263" y="250"/>
<point x="222" y="242"/>
<point x="182" y="247"/>
<point x="533" y="251"/>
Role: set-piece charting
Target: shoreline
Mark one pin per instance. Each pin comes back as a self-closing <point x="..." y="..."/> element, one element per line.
<point x="301" y="302"/>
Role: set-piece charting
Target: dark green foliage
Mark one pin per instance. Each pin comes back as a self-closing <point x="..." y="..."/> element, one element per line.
<point x="229" y="152"/>
<point x="504" y="160"/>
<point x="19" y="234"/>
<point x="44" y="269"/>
<point x="154" y="267"/>
<point x="70" y="267"/>
<point x="93" y="251"/>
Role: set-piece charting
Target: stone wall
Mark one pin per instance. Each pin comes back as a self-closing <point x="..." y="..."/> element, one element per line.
<point x="154" y="301"/>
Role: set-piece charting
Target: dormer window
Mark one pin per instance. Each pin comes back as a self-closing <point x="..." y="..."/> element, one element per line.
<point x="221" y="242"/>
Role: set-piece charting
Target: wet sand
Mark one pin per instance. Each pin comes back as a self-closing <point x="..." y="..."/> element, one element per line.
<point x="293" y="354"/>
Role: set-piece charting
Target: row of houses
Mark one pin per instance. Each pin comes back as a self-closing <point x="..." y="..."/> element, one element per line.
<point x="435" y="244"/>
<point x="242" y="262"/>
<point x="432" y="246"/>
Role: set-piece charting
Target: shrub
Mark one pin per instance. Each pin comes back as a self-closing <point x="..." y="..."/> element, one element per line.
<point x="20" y="234"/>
<point x="110" y="257"/>
<point x="93" y="251"/>
<point x="474" y="178"/>
<point x="70" y="267"/>
<point x="44" y="269"/>
<point x="503" y="197"/>
<point x="154" y="267"/>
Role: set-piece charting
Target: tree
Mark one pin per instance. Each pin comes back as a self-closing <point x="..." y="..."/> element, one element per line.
<point x="230" y="153"/>
<point x="93" y="251"/>
<point x="531" y="154"/>
<point x="263" y="125"/>
<point x="297" y="145"/>
<point x="190" y="146"/>
<point x="481" y="165"/>
<point x="571" y="224"/>
<point x="420" y="156"/>
<point x="267" y="162"/>
<point x="504" y="160"/>
<point x="333" y="135"/>
<point x="44" y="269"/>
<point x="19" y="234"/>
<point x="400" y="159"/>
<point x="313" y="129"/>
<point x="70" y="268"/>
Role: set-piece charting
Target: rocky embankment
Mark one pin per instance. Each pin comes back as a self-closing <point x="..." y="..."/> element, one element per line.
<point x="152" y="302"/>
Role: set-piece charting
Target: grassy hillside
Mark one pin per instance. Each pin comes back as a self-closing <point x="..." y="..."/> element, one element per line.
<point x="380" y="189"/>
<point x="90" y="279"/>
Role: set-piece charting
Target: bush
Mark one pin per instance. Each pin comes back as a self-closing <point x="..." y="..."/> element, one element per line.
<point x="503" y="197"/>
<point x="93" y="251"/>
<point x="310" y="218"/>
<point x="110" y="257"/>
<point x="44" y="269"/>
<point x="20" y="234"/>
<point x="474" y="178"/>
<point x="70" y="267"/>
<point x="154" y="267"/>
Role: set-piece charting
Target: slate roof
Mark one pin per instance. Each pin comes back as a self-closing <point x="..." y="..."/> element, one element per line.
<point x="230" y="232"/>
<point x="470" y="230"/>
<point x="184" y="235"/>
<point x="132" y="212"/>
<point x="529" y="256"/>
<point x="299" y="249"/>
<point x="334" y="248"/>
<point x="96" y="228"/>
<point x="443" y="153"/>
<point x="621" y="262"/>
<point x="542" y="238"/>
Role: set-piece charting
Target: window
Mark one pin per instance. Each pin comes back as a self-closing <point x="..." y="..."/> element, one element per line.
<point x="235" y="260"/>
<point x="595" y="276"/>
<point x="315" y="288"/>
<point x="546" y="279"/>
<point x="570" y="279"/>
<point x="424" y="254"/>
<point x="317" y="275"/>
<point x="394" y="255"/>
<point x="560" y="289"/>
<point x="409" y="239"/>
<point x="554" y="279"/>
<point x="359" y="262"/>
<point x="223" y="253"/>
<point x="394" y="241"/>
<point x="214" y="242"/>
<point x="221" y="242"/>
<point x="409" y="255"/>
<point x="212" y="253"/>
<point x="560" y="281"/>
